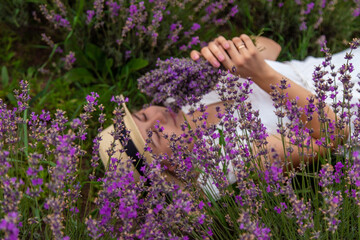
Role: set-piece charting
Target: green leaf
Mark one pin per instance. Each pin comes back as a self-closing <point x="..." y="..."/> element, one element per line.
<point x="107" y="70"/>
<point x="81" y="75"/>
<point x="11" y="98"/>
<point x="109" y="63"/>
<point x="93" y="52"/>
<point x="13" y="160"/>
<point x="9" y="56"/>
<point x="30" y="72"/>
<point x="4" y="76"/>
<point x="124" y="72"/>
<point x="80" y="6"/>
<point x="52" y="164"/>
<point x="137" y="64"/>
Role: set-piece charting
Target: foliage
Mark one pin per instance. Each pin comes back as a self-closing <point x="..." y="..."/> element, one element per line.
<point x="41" y="176"/>
<point x="52" y="185"/>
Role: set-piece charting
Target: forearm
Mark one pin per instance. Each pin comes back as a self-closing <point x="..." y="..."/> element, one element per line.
<point x="295" y="92"/>
<point x="268" y="48"/>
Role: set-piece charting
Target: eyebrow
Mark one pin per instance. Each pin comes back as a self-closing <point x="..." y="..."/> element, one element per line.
<point x="137" y="117"/>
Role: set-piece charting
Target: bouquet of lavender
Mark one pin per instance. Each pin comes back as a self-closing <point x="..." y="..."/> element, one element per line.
<point x="180" y="79"/>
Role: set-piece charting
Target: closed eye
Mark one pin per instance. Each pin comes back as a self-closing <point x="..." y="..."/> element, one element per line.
<point x="145" y="117"/>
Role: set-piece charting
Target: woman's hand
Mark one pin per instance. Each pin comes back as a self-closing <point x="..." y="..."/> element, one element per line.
<point x="240" y="56"/>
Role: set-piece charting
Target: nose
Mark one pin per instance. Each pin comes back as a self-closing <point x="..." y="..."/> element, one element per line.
<point x="159" y="116"/>
<point x="156" y="115"/>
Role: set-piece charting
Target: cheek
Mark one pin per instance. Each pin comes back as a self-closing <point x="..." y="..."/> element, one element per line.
<point x="163" y="149"/>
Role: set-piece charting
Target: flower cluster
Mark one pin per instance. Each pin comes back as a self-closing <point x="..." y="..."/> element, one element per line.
<point x="146" y="27"/>
<point x="312" y="12"/>
<point x="229" y="181"/>
<point x="182" y="80"/>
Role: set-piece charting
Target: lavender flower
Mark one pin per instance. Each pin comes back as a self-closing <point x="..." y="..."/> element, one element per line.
<point x="57" y="20"/>
<point x="181" y="79"/>
<point x="69" y="60"/>
<point x="48" y="40"/>
<point x="300" y="210"/>
<point x="90" y="15"/>
<point x="114" y="8"/>
<point x="23" y="96"/>
<point x="92" y="227"/>
<point x="10" y="226"/>
<point x="326" y="175"/>
<point x="309" y="7"/>
<point x="332" y="207"/>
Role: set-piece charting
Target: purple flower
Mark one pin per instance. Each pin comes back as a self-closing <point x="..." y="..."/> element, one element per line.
<point x="99" y="8"/>
<point x="356" y="12"/>
<point x="93" y="228"/>
<point x="277" y="209"/>
<point x="326" y="175"/>
<point x="181" y="79"/>
<point x="127" y="54"/>
<point x="114" y="8"/>
<point x="195" y="27"/>
<point x="69" y="60"/>
<point x="201" y="205"/>
<point x="37" y="181"/>
<point x="309" y="7"/>
<point x="201" y="219"/>
<point x="210" y="233"/>
<point x="48" y="40"/>
<point x="56" y="19"/>
<point x="9" y="226"/>
<point x="194" y="41"/>
<point x="303" y="26"/>
<point x="133" y="9"/>
<point x="89" y="16"/>
<point x="234" y="10"/>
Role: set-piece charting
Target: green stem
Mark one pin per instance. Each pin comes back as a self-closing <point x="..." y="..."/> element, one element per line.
<point x="26" y="142"/>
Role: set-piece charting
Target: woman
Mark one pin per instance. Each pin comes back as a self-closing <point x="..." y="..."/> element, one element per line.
<point x="243" y="58"/>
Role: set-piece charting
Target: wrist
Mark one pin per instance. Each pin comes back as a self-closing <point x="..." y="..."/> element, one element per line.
<point x="266" y="74"/>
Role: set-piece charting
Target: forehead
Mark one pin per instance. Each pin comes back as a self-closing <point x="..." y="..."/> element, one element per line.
<point x="149" y="108"/>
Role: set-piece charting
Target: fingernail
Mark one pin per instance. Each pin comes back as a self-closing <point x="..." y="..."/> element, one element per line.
<point x="196" y="57"/>
<point x="216" y="64"/>
<point x="221" y="57"/>
<point x="226" y="45"/>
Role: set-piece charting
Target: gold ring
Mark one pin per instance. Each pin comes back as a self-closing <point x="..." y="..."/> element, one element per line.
<point x="241" y="46"/>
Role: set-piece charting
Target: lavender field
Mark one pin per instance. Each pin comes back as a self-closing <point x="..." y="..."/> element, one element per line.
<point x="65" y="67"/>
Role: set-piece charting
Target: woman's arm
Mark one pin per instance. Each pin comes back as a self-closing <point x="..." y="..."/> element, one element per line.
<point x="243" y="55"/>
<point x="268" y="48"/>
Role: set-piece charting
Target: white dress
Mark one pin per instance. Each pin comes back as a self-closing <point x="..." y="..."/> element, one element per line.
<point x="301" y="73"/>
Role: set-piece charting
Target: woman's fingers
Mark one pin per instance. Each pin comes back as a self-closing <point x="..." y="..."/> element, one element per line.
<point x="239" y="44"/>
<point x="195" y="55"/>
<point x="209" y="56"/>
<point x="249" y="43"/>
<point x="216" y="50"/>
<point x="223" y="42"/>
<point x="215" y="54"/>
<point x="236" y="56"/>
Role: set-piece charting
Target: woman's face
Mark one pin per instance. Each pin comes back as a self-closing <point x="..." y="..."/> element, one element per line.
<point x="147" y="118"/>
